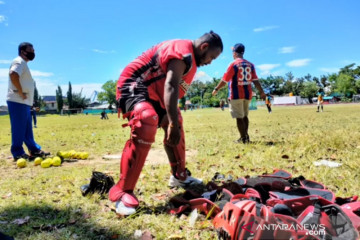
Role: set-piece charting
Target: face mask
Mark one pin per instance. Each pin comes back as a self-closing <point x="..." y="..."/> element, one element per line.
<point x="30" y="55"/>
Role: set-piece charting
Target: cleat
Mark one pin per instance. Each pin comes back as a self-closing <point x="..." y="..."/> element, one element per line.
<point x="25" y="156"/>
<point x="39" y="153"/>
<point x="244" y="140"/>
<point x="123" y="210"/>
<point x="174" y="182"/>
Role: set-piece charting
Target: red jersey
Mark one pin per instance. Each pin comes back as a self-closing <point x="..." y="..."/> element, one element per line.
<point x="239" y="76"/>
<point x="144" y="78"/>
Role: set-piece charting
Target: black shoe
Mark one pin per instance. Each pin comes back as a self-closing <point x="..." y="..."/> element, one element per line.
<point x="25" y="156"/>
<point x="242" y="140"/>
<point x="247" y="139"/>
<point x="39" y="153"/>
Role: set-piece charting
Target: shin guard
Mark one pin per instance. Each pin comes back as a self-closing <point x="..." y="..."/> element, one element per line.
<point x="143" y="122"/>
<point x="176" y="154"/>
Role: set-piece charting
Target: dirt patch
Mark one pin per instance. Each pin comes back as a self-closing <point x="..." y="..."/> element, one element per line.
<point x="156" y="156"/>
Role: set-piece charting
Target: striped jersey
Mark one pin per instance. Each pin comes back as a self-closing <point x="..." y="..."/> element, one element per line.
<point x="239" y="76"/>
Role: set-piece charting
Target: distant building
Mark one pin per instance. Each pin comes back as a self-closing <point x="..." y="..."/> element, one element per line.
<point x="50" y="102"/>
<point x="3" y="110"/>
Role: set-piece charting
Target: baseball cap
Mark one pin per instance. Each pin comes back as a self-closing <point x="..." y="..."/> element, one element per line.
<point x="239" y="48"/>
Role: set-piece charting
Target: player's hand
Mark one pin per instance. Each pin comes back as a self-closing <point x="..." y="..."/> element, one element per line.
<point x="23" y="95"/>
<point x="214" y="92"/>
<point x="173" y="134"/>
<point x="263" y="96"/>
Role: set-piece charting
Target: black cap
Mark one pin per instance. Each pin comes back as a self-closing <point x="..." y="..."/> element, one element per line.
<point x="239" y="48"/>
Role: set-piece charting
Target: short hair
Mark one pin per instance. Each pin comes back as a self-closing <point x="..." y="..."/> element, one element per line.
<point x="23" y="46"/>
<point x="213" y="39"/>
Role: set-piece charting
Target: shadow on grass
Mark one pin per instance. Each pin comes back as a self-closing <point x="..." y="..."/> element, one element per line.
<point x="40" y="222"/>
<point x="267" y="143"/>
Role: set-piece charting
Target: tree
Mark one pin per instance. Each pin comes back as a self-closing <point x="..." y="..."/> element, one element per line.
<point x="298" y="86"/>
<point x="59" y="99"/>
<point x="273" y="84"/>
<point x="70" y="97"/>
<point x="309" y="90"/>
<point x="195" y="100"/>
<point x="345" y="85"/>
<point x="79" y="101"/>
<point x="324" y="81"/>
<point x="182" y="102"/>
<point x="109" y="93"/>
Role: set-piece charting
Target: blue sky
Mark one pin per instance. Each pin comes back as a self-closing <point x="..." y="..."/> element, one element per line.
<point x="90" y="42"/>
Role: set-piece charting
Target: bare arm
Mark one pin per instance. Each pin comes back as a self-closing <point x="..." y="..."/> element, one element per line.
<point x="259" y="88"/>
<point x="174" y="73"/>
<point x="218" y="87"/>
<point x="15" y="79"/>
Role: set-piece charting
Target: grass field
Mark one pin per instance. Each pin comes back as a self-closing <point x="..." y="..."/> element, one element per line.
<point x="291" y="138"/>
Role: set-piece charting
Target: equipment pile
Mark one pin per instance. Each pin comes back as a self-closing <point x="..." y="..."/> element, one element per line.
<point x="274" y="206"/>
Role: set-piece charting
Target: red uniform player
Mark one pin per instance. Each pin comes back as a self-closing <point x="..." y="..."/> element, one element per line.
<point x="147" y="92"/>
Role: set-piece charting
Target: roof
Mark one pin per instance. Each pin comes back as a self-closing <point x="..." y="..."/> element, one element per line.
<point x="3" y="108"/>
<point x="50" y="98"/>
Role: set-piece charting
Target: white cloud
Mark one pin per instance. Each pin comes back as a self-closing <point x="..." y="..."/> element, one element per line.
<point x="202" y="76"/>
<point x="298" y="62"/>
<point x="102" y="51"/>
<point x="265" y="69"/>
<point x="4" y="74"/>
<point x="5" y="61"/>
<point x="35" y="73"/>
<point x="330" y="70"/>
<point x="266" y="28"/>
<point x="2" y="18"/>
<point x="286" y="50"/>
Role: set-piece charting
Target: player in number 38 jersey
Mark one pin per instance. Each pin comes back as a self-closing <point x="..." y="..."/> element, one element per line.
<point x="239" y="76"/>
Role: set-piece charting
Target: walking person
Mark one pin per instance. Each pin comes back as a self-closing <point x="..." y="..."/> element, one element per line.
<point x="268" y="102"/>
<point x="33" y="114"/>
<point x="239" y="76"/>
<point x="320" y="100"/>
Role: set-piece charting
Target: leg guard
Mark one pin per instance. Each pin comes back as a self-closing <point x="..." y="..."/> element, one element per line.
<point x="176" y="154"/>
<point x="143" y="122"/>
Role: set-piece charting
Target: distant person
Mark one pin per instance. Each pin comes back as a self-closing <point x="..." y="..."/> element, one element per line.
<point x="239" y="76"/>
<point x="20" y="98"/>
<point x="320" y="100"/>
<point x="104" y="115"/>
<point x="222" y="104"/>
<point x="268" y="102"/>
<point x="148" y="91"/>
<point x="33" y="114"/>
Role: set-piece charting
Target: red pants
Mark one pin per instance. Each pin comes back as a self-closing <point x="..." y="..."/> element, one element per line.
<point x="144" y="121"/>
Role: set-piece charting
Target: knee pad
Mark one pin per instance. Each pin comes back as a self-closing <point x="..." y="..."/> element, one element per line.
<point x="143" y="122"/>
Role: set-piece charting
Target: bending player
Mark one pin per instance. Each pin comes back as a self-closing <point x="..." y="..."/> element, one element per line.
<point x="148" y="91"/>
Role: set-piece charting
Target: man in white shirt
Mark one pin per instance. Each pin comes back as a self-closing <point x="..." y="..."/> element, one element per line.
<point x="20" y="98"/>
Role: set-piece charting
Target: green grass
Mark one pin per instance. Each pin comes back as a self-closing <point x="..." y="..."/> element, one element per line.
<point x="57" y="210"/>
